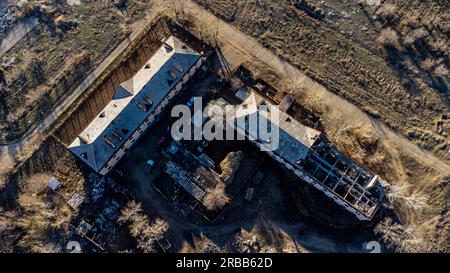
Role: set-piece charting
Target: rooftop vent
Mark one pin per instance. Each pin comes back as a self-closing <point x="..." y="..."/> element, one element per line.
<point x="102" y="114"/>
<point x="109" y="142"/>
<point x="116" y="135"/>
<point x="149" y="100"/>
<point x="83" y="140"/>
<point x="172" y="74"/>
<point x="168" y="47"/>
<point x="143" y="107"/>
<point x="178" y="66"/>
<point x="147" y="66"/>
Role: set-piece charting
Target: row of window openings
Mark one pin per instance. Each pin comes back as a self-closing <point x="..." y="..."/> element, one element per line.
<point x="323" y="189"/>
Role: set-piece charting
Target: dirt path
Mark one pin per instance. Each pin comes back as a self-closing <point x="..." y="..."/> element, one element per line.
<point x="19" y="31"/>
<point x="15" y="150"/>
<point x="239" y="48"/>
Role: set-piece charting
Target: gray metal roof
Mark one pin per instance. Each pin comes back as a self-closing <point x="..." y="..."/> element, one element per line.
<point x="295" y="139"/>
<point x="104" y="136"/>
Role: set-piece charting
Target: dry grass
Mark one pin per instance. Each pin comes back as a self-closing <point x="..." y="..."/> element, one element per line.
<point x="385" y="82"/>
<point x="36" y="183"/>
<point x="93" y="27"/>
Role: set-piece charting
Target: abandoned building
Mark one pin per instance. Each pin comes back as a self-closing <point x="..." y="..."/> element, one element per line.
<point x="305" y="152"/>
<point x="189" y="181"/>
<point x="191" y="173"/>
<point x="135" y="105"/>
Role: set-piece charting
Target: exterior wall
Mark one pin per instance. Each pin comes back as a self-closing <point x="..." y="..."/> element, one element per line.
<point x="143" y="127"/>
<point x="318" y="186"/>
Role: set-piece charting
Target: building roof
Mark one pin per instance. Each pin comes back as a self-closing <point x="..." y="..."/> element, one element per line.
<point x="133" y="102"/>
<point x="295" y="139"/>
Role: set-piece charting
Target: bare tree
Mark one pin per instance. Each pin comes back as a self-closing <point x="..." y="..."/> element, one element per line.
<point x="46" y="248"/>
<point x="399" y="238"/>
<point x="401" y="193"/>
<point x="229" y="165"/>
<point x="145" y="232"/>
<point x="38" y="221"/>
<point x="387" y="11"/>
<point x="428" y="64"/>
<point x="415" y="36"/>
<point x="216" y="198"/>
<point x="441" y="71"/>
<point x="156" y="230"/>
<point x="440" y="46"/>
<point x="133" y="208"/>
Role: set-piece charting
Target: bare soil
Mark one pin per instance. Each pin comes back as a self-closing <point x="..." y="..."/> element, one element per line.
<point x="340" y="52"/>
<point x="69" y="41"/>
<point x="275" y="209"/>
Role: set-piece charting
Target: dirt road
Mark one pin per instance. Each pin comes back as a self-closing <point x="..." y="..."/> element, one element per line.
<point x="14" y="150"/>
<point x="240" y="48"/>
<point x="19" y="31"/>
<point x="336" y="113"/>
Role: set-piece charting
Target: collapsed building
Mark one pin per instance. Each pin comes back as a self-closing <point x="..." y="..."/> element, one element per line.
<point x="193" y="181"/>
<point x="306" y="152"/>
<point x="192" y="174"/>
<point x="136" y="105"/>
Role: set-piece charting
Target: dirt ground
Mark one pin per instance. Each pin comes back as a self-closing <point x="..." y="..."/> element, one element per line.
<point x="54" y="57"/>
<point x="273" y="221"/>
<point x="363" y="137"/>
<point x="340" y="52"/>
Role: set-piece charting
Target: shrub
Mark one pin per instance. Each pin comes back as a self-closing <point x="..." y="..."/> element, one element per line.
<point x="388" y="38"/>
<point x="387" y="12"/>
<point x="441" y="71"/>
